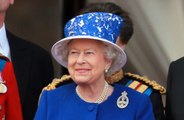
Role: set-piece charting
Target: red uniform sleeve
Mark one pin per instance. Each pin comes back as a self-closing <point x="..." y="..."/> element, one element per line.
<point x="12" y="106"/>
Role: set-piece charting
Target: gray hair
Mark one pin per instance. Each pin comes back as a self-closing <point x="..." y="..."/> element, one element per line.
<point x="111" y="54"/>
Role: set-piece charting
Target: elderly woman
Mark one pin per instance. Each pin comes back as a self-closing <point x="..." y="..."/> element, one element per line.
<point x="90" y="54"/>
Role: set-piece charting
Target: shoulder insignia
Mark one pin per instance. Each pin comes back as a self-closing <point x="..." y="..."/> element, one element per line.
<point x="55" y="82"/>
<point x="141" y="84"/>
<point x="116" y="77"/>
<point x="144" y="87"/>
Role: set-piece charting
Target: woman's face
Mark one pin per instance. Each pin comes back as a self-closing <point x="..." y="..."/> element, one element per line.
<point x="86" y="61"/>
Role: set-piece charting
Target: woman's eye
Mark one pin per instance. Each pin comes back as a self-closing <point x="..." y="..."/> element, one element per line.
<point x="89" y="53"/>
<point x="73" y="52"/>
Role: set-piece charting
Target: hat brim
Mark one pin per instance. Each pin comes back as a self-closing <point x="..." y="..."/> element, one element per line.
<point x="59" y="51"/>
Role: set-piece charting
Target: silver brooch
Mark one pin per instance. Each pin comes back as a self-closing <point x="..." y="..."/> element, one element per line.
<point x="123" y="100"/>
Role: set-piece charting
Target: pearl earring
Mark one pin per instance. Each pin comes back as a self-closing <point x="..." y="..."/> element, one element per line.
<point x="106" y="70"/>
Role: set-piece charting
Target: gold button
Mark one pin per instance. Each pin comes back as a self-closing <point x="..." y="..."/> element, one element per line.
<point x="0" y="107"/>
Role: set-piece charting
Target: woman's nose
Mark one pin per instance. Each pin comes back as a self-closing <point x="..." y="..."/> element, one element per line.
<point x="80" y="59"/>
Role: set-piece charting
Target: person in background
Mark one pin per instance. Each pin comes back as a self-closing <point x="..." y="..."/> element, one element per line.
<point x="10" y="106"/>
<point x="90" y="53"/>
<point x="175" y="91"/>
<point x="32" y="64"/>
<point x="141" y="84"/>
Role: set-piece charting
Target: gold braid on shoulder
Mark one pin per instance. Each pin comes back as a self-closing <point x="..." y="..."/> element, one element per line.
<point x="55" y="82"/>
<point x="116" y="77"/>
<point x="152" y="83"/>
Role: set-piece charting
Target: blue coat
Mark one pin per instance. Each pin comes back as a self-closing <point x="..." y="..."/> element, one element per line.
<point x="64" y="104"/>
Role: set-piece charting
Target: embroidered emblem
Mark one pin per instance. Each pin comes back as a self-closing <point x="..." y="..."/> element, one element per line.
<point x="123" y="100"/>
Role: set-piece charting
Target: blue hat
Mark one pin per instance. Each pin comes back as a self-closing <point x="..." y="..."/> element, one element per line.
<point x="100" y="26"/>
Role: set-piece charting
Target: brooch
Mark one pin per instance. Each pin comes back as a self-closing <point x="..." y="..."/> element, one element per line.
<point x="123" y="100"/>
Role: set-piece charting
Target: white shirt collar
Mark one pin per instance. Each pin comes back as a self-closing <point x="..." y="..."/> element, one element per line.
<point x="4" y="45"/>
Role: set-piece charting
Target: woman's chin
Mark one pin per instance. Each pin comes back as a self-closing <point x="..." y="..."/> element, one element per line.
<point x="81" y="79"/>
